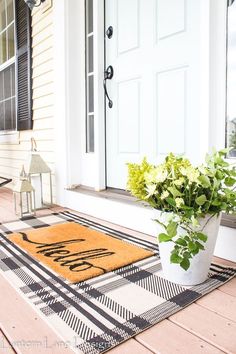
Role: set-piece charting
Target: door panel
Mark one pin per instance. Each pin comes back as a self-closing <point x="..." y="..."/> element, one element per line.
<point x="170" y="17"/>
<point x="154" y="51"/>
<point x="128" y="130"/>
<point x="171" y="118"/>
<point x="128" y="24"/>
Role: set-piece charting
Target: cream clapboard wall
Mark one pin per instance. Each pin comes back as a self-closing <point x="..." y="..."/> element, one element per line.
<point x="13" y="156"/>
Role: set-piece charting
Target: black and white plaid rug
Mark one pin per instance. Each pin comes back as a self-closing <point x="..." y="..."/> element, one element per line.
<point x="98" y="314"/>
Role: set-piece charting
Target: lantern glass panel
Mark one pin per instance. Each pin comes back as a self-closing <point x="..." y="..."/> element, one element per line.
<point x="24" y="203"/>
<point x="42" y="183"/>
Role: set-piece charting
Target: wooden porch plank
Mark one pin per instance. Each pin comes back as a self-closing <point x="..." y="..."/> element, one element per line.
<point x="229" y="288"/>
<point x="128" y="347"/>
<point x="25" y="330"/>
<point x="220" y="303"/>
<point x="6" y="215"/>
<point x="5" y="346"/>
<point x="168" y="338"/>
<point x="224" y="262"/>
<point x="209" y="326"/>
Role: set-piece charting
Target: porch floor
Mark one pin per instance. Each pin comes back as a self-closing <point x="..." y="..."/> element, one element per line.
<point x="207" y="326"/>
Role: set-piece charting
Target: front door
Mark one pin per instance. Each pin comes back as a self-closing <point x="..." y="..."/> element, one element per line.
<point x="154" y="50"/>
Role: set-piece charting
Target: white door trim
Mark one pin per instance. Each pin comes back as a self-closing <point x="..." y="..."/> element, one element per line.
<point x="73" y="165"/>
<point x="60" y="103"/>
<point x="217" y="73"/>
<point x="99" y="106"/>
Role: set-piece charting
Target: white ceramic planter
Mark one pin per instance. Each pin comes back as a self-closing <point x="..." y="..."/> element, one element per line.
<point x="199" y="264"/>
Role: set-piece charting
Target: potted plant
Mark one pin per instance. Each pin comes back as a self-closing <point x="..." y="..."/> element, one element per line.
<point x="190" y="201"/>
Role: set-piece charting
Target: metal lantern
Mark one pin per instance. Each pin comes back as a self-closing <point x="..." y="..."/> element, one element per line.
<point x="40" y="176"/>
<point x="24" y="196"/>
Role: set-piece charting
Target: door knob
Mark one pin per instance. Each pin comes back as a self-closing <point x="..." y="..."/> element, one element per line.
<point x="109" y="32"/>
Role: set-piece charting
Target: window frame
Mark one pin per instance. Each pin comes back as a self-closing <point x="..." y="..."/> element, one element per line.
<point x="10" y="135"/>
<point x="89" y="76"/>
<point x="23" y="72"/>
<point x="24" y="92"/>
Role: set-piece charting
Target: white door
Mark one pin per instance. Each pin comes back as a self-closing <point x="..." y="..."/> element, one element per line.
<point x="155" y="54"/>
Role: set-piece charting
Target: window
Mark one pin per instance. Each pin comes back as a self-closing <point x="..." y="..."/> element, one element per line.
<point x="231" y="81"/>
<point x="15" y="66"/>
<point x="89" y="60"/>
<point x="7" y="66"/>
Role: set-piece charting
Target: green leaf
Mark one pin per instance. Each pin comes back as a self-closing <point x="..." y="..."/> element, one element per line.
<point x="205" y="181"/>
<point x="181" y="242"/>
<point x="171" y="201"/>
<point x="200" y="246"/>
<point x="223" y="152"/>
<point x="219" y="161"/>
<point x="201" y="200"/>
<point x="223" y="206"/>
<point x="192" y="246"/>
<point x="185" y="264"/>
<point x="219" y="175"/>
<point x="175" y="192"/>
<point x="187" y="255"/>
<point x="164" y="237"/>
<point x="172" y="228"/>
<point x="185" y="207"/>
<point x="216" y="202"/>
<point x="216" y="183"/>
<point x="160" y="223"/>
<point x="229" y="181"/>
<point x="196" y="251"/>
<point x="175" y="258"/>
<point x="186" y="238"/>
<point x="201" y="236"/>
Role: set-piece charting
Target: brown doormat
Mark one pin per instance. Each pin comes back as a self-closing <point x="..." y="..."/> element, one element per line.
<point x="77" y="252"/>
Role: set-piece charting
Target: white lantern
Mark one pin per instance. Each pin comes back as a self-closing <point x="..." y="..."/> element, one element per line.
<point x="40" y="176"/>
<point x="24" y="196"/>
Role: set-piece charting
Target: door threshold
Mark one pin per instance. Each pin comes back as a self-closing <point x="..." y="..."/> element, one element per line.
<point x="109" y="193"/>
<point x="125" y="197"/>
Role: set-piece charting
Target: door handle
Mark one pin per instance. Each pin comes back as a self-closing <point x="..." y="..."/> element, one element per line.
<point x="108" y="75"/>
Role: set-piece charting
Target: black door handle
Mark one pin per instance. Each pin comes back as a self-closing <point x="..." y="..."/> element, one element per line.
<point x="108" y="75"/>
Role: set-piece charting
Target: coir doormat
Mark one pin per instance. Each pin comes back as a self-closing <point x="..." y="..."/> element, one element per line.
<point x="77" y="252"/>
<point x="95" y="315"/>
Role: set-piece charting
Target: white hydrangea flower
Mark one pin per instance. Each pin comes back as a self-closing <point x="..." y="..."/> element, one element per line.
<point x="179" y="182"/>
<point x="191" y="173"/>
<point x="156" y="175"/>
<point x="168" y="217"/>
<point x="203" y="170"/>
<point x="151" y="189"/>
<point x="179" y="202"/>
<point x="183" y="170"/>
<point x="164" y="195"/>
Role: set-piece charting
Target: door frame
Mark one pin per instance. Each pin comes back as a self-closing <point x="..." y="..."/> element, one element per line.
<point x="72" y="165"/>
<point x="99" y="97"/>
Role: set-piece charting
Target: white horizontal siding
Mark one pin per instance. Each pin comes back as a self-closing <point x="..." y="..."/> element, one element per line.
<point x="13" y="156"/>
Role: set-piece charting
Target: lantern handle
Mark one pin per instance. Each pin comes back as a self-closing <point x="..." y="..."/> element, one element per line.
<point x="33" y="145"/>
<point x="23" y="173"/>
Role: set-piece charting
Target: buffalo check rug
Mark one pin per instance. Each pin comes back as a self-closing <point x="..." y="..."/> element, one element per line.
<point x="95" y="315"/>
